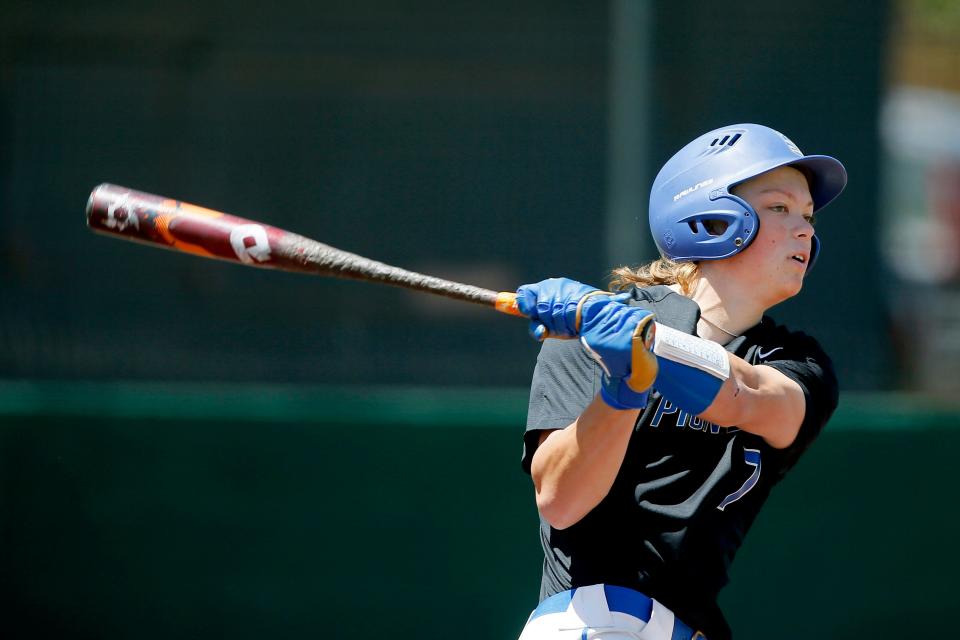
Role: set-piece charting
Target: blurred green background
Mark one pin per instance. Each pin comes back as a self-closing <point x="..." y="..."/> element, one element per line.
<point x="195" y="449"/>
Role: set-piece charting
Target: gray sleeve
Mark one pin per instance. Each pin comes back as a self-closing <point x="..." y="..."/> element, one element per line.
<point x="565" y="381"/>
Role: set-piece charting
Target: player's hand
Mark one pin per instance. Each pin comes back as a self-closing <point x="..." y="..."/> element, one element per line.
<point x="552" y="306"/>
<point x="619" y="338"/>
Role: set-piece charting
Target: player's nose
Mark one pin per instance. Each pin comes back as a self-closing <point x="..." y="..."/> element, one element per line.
<point x="803" y="228"/>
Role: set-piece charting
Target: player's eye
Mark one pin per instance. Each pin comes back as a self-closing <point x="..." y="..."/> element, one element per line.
<point x="812" y="219"/>
<point x="779" y="208"/>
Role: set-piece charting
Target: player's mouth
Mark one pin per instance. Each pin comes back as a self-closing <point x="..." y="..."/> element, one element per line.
<point x="799" y="257"/>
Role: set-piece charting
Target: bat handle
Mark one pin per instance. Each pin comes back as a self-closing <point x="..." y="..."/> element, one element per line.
<point x="507" y="303"/>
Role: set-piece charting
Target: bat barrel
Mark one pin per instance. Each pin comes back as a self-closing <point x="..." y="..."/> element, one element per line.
<point x="164" y="222"/>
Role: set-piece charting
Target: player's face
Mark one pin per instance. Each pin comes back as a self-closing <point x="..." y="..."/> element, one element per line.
<point x="776" y="261"/>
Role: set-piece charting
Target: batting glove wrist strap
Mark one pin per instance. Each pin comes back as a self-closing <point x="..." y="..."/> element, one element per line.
<point x="618" y="394"/>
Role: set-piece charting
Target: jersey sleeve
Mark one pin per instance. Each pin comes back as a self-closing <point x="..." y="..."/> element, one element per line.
<point x="565" y="380"/>
<point x="811" y="368"/>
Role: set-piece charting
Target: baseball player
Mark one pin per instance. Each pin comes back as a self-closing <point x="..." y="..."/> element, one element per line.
<point x="656" y="434"/>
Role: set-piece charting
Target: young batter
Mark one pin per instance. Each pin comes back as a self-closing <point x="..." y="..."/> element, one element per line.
<point x="646" y="491"/>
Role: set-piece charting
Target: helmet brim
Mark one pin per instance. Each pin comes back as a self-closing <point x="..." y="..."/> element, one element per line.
<point x="826" y="175"/>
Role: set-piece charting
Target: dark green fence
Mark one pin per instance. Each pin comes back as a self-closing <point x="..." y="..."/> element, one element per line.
<point x="134" y="511"/>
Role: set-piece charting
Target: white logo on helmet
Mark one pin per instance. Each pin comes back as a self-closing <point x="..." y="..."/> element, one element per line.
<point x="690" y="190"/>
<point x="792" y="147"/>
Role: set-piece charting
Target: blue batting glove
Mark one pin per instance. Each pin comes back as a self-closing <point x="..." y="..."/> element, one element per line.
<point x="552" y="304"/>
<point x="618" y="394"/>
<point x="618" y="337"/>
<point x="607" y="336"/>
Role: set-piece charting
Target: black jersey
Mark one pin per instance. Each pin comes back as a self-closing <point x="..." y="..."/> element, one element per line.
<point x="688" y="490"/>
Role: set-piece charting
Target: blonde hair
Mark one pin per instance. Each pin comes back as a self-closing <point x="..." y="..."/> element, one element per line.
<point x="660" y="271"/>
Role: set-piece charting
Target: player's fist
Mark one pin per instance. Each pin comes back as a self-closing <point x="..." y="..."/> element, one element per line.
<point x="619" y="338"/>
<point x="554" y="306"/>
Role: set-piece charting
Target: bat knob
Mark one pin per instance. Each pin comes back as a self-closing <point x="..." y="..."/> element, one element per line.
<point x="507" y="303"/>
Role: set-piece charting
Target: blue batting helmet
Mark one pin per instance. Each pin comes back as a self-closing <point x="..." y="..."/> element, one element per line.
<point x="694" y="215"/>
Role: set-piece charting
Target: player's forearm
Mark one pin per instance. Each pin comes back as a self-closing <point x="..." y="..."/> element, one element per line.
<point x="574" y="468"/>
<point x="759" y="400"/>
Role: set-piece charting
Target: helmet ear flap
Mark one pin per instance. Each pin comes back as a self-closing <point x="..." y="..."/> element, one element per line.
<point x="745" y="225"/>
<point x="729" y="228"/>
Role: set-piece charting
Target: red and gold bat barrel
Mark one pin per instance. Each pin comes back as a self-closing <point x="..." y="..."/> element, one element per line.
<point x="144" y="217"/>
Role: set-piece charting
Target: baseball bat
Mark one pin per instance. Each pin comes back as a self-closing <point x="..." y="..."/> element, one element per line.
<point x="163" y="222"/>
